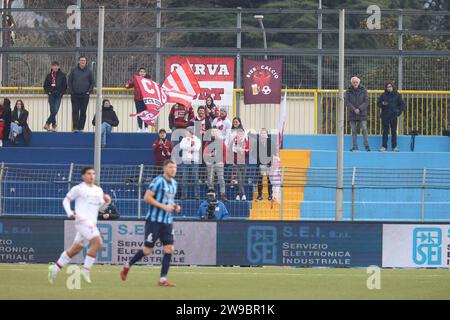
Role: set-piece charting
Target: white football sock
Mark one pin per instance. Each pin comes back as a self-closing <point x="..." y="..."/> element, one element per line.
<point x="88" y="263"/>
<point x="62" y="261"/>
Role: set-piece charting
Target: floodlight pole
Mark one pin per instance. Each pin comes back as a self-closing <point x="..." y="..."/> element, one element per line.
<point x="340" y="126"/>
<point x="260" y="18"/>
<point x="98" y="106"/>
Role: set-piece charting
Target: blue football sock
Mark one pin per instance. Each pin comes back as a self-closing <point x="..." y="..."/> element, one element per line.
<point x="165" y="264"/>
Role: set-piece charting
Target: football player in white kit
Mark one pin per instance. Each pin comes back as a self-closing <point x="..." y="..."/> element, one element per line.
<point x="89" y="200"/>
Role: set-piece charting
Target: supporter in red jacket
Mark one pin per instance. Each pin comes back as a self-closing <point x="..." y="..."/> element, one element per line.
<point x="2" y="122"/>
<point x="162" y="148"/>
<point x="138" y="98"/>
<point x="180" y="116"/>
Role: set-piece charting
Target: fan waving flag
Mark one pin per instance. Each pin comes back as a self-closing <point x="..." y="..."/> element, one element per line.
<point x="154" y="97"/>
<point x="182" y="85"/>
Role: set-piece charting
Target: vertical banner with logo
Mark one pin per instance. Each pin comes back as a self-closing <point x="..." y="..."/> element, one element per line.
<point x="262" y="81"/>
<point x="214" y="74"/>
<point x="416" y="246"/>
<point x="195" y="242"/>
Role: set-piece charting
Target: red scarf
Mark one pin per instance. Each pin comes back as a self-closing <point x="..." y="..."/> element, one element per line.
<point x="53" y="77"/>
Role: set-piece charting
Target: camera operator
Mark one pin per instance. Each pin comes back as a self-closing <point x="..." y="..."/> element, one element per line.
<point x="110" y="213"/>
<point x="212" y="209"/>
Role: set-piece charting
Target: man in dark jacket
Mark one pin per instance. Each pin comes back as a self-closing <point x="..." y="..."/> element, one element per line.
<point x="81" y="85"/>
<point x="109" y="120"/>
<point x="392" y="106"/>
<point x="357" y="101"/>
<point x="55" y="85"/>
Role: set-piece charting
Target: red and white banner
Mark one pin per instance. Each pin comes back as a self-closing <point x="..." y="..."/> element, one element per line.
<point x="182" y="85"/>
<point x="155" y="97"/>
<point x="215" y="76"/>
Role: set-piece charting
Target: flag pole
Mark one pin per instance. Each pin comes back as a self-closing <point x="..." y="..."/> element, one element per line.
<point x="98" y="107"/>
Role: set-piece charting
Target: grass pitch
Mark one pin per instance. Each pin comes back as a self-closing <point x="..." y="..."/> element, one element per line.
<point x="20" y="281"/>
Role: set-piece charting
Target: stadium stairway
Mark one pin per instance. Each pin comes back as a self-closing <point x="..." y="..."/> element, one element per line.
<point x="292" y="194"/>
<point x="402" y="204"/>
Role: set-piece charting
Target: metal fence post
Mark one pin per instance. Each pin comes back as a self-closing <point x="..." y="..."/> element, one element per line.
<point x="424" y="179"/>
<point x="400" y="63"/>
<point x="158" y="42"/>
<point x="353" y="193"/>
<point x="283" y="172"/>
<point x="319" y="46"/>
<point x="141" y="175"/>
<point x="2" y="168"/>
<point x="69" y="178"/>
<point x="238" y="59"/>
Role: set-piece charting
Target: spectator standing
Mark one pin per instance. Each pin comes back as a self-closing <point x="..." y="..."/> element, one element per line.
<point x="212" y="209"/>
<point x="7" y="115"/>
<point x="55" y="85"/>
<point x="19" y="123"/>
<point x="357" y="101"/>
<point x="240" y="148"/>
<point x="392" y="106"/>
<point x="264" y="162"/>
<point x="81" y="84"/>
<point x="162" y="148"/>
<point x="109" y="120"/>
<point x="215" y="155"/>
<point x="200" y="122"/>
<point x="190" y="147"/>
<point x="138" y="98"/>
<point x="211" y="109"/>
<point x="180" y="116"/>
<point x="222" y="123"/>
<point x="2" y="122"/>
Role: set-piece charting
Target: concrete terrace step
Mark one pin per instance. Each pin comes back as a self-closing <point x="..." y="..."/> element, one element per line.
<point x="329" y="143"/>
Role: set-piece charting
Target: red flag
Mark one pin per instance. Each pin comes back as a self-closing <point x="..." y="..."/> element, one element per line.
<point x="155" y="97"/>
<point x="147" y="117"/>
<point x="182" y="85"/>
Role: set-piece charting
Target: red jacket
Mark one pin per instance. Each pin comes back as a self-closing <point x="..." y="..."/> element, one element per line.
<point x="207" y="155"/>
<point x="180" y="116"/>
<point x="162" y="151"/>
<point x="2" y="123"/>
<point x="137" y="91"/>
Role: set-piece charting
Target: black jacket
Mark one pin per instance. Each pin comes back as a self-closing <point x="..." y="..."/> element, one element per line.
<point x="264" y="152"/>
<point x="391" y="103"/>
<point x="61" y="84"/>
<point x="23" y="122"/>
<point x="6" y="117"/>
<point x="357" y="99"/>
<point x="81" y="81"/>
<point x="109" y="116"/>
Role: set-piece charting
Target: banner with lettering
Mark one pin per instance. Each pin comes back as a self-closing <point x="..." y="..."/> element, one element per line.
<point x="262" y="81"/>
<point x="214" y="74"/>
